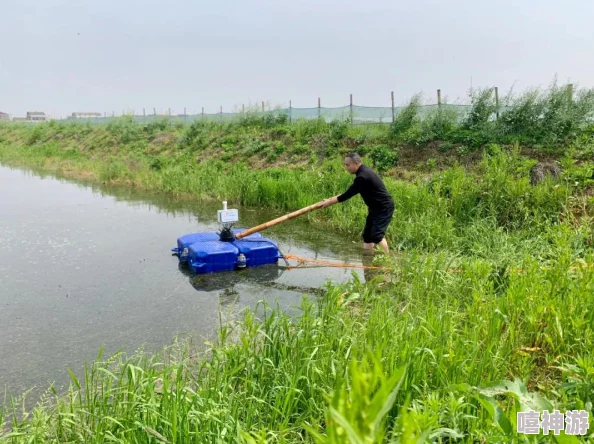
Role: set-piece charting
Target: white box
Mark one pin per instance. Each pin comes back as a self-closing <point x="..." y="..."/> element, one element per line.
<point x="227" y="216"/>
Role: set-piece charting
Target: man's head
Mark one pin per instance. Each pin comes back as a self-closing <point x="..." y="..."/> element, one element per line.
<point x="352" y="162"/>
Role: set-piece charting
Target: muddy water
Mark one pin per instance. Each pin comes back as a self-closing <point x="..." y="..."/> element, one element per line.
<point x="84" y="266"/>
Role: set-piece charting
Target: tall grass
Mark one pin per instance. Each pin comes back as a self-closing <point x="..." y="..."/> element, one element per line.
<point x="410" y="360"/>
<point x="497" y="199"/>
<point x="487" y="314"/>
<point x="546" y="119"/>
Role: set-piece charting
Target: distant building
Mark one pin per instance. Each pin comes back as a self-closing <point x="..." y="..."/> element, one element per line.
<point x="4" y="116"/>
<point x="36" y="116"/>
<point x="84" y="115"/>
<point x="19" y="119"/>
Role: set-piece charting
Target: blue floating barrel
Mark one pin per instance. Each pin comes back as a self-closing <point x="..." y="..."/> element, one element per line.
<point x="258" y="252"/>
<point x="206" y="253"/>
<point x="184" y="242"/>
<point x="212" y="256"/>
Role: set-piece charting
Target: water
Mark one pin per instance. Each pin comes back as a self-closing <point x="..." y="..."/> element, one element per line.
<point x="84" y="266"/>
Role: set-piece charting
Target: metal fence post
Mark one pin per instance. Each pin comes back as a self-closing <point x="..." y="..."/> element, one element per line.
<point x="319" y="107"/>
<point x="393" y="118"/>
<point x="351" y="106"/>
<point x="497" y="103"/>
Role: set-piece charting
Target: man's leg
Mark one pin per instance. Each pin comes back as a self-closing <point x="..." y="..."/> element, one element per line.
<point x="367" y="230"/>
<point x="384" y="245"/>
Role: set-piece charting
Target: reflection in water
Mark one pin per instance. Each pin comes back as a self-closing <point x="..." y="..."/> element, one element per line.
<point x="266" y="276"/>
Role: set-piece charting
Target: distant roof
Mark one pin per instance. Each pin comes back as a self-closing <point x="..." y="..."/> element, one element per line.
<point x="4" y="114"/>
<point x="38" y="113"/>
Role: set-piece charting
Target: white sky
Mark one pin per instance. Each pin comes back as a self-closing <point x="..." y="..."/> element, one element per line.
<point x="62" y="56"/>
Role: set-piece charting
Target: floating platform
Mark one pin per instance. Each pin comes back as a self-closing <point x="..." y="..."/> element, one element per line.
<point x="206" y="253"/>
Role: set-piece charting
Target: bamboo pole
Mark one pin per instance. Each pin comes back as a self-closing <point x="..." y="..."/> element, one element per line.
<point x="278" y="220"/>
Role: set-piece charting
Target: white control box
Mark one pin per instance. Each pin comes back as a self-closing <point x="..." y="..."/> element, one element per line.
<point x="227" y="216"/>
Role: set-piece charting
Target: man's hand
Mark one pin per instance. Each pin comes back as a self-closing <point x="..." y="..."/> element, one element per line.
<point x="328" y="202"/>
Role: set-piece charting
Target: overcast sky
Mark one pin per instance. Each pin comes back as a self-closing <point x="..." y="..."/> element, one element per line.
<point x="62" y="56"/>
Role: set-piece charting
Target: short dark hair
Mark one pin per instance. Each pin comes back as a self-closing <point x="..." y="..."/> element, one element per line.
<point x="354" y="157"/>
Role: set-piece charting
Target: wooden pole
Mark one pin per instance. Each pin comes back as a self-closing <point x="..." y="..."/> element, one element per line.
<point x="393" y="118"/>
<point x="143" y="112"/>
<point x="262" y="105"/>
<point x="202" y="113"/>
<point x="290" y="112"/>
<point x="439" y="98"/>
<point x="243" y="108"/>
<point x="497" y="102"/>
<point x="155" y="112"/>
<point x="570" y="91"/>
<point x="278" y="220"/>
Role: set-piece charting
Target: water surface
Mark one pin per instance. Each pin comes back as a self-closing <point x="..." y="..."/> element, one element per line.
<point x="86" y="266"/>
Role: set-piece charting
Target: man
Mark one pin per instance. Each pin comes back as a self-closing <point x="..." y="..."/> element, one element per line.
<point x="375" y="195"/>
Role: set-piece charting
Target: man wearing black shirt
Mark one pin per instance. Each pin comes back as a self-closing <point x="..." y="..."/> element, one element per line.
<point x="375" y="195"/>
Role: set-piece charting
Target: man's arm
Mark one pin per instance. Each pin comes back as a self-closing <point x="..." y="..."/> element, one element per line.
<point x="353" y="190"/>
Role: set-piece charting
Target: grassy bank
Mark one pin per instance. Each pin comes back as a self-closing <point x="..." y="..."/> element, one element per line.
<point x="431" y="356"/>
<point x="488" y="312"/>
<point x="490" y="211"/>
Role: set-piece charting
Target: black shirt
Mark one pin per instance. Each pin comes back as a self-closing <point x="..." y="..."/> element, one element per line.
<point x="372" y="189"/>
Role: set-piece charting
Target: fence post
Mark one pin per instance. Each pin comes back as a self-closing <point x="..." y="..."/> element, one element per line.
<point x="155" y="112"/>
<point x="497" y="103"/>
<point x="262" y="105"/>
<point x="351" y="106"/>
<point x="290" y="113"/>
<point x="221" y="113"/>
<point x="242" y="108"/>
<point x="570" y="92"/>
<point x="203" y="113"/>
<point x="319" y="107"/>
<point x="393" y="118"/>
<point x="439" y="98"/>
<point x="185" y="119"/>
<point x="143" y="112"/>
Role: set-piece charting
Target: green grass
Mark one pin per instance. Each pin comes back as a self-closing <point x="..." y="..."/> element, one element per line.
<point x="487" y="311"/>
<point x="549" y="121"/>
<point x="452" y="210"/>
<point x="419" y="358"/>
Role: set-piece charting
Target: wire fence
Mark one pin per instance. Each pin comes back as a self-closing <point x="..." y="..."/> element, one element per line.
<point x="354" y="114"/>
